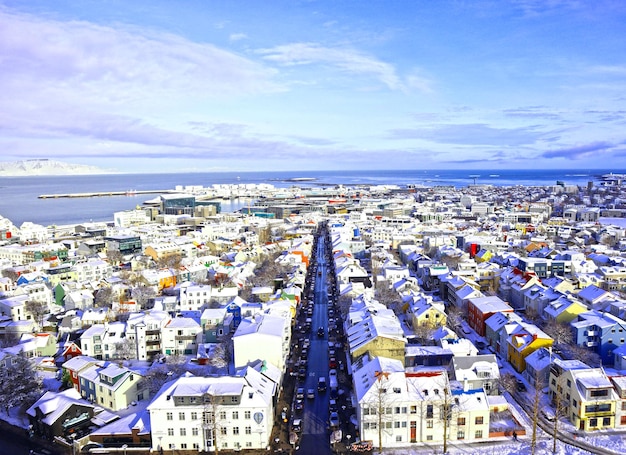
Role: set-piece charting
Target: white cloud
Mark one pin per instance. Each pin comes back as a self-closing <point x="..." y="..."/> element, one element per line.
<point x="237" y="36"/>
<point x="347" y="60"/>
<point x="84" y="62"/>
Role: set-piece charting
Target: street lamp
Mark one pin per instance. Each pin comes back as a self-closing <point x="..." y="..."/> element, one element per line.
<point x="124" y="447"/>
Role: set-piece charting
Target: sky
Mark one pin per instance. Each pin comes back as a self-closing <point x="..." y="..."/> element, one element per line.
<point x="237" y="85"/>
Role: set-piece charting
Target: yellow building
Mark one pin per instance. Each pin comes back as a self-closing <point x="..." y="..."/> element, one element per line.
<point x="587" y="395"/>
<point x="523" y="341"/>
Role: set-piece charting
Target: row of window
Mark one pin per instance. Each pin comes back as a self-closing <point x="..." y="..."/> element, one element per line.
<point x="222" y="415"/>
<point x="196" y="446"/>
<point x="195" y="431"/>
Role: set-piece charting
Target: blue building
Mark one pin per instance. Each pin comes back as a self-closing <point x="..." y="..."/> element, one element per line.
<point x="601" y="332"/>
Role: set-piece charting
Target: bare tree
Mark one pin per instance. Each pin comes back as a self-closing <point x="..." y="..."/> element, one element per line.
<point x="382" y="405"/>
<point x="585" y="355"/>
<point x="534" y="416"/>
<point x="388" y="296"/>
<point x="424" y="333"/>
<point x="454" y="318"/>
<point x="103" y="297"/>
<point x="210" y="421"/>
<point x="560" y="332"/>
<point x="39" y="310"/>
<point x="11" y="274"/>
<point x="343" y="304"/>
<point x="170" y="261"/>
<point x="142" y="294"/>
<point x="19" y="383"/>
<point x="114" y="257"/>
<point x="125" y="349"/>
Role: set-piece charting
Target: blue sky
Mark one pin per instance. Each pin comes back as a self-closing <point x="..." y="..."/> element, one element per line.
<point x="167" y="85"/>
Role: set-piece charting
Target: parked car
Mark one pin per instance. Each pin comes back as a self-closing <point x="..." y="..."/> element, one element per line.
<point x="299" y="393"/>
<point x="334" y="419"/>
<point x="296" y="425"/>
<point x="299" y="406"/>
<point x="521" y="387"/>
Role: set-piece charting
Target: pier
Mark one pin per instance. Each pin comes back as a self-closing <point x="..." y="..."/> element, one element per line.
<point x="104" y="194"/>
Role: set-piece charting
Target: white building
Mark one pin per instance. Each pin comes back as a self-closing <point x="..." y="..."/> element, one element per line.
<point x="180" y="337"/>
<point x="262" y="337"/>
<point x="413" y="406"/>
<point x="199" y="413"/>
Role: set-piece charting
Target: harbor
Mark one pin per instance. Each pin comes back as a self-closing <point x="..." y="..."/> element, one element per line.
<point x="103" y="194"/>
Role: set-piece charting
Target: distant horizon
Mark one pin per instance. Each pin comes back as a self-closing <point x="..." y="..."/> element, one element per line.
<point x="181" y="171"/>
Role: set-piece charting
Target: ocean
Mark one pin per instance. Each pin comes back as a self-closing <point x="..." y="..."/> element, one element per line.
<point x="19" y="200"/>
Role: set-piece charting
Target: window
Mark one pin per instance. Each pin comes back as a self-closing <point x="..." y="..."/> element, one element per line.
<point x="183" y="445"/>
<point x="247" y="415"/>
<point x="413" y="409"/>
<point x="396" y="424"/>
<point x="429" y="437"/>
<point x="235" y="415"/>
<point x="183" y="431"/>
<point x="248" y="430"/>
<point x="593" y="423"/>
<point x="223" y="431"/>
<point x="569" y="383"/>
<point x="194" y="415"/>
<point x="397" y="390"/>
<point x="574" y="403"/>
<point x="170" y="432"/>
<point x="429" y="411"/>
<point x="396" y="410"/>
<point x="398" y="438"/>
<point x="429" y="423"/>
<point x="181" y="416"/>
<point x="235" y="430"/>
<point x="460" y="434"/>
<point x="460" y="421"/>
<point x="479" y="420"/>
<point x="194" y="431"/>
<point x="169" y="416"/>
<point x="222" y="415"/>
<point x="478" y="434"/>
<point x="606" y="421"/>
